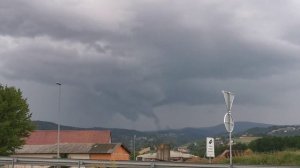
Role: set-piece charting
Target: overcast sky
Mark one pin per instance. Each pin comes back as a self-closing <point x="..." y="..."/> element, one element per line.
<point x="153" y="64"/>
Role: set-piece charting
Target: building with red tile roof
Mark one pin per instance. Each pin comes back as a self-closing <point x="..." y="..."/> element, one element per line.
<point x="45" y="137"/>
<point x="112" y="151"/>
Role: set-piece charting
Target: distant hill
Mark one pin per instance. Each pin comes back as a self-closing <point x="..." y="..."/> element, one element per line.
<point x="45" y="125"/>
<point x="175" y="137"/>
<point x="282" y="130"/>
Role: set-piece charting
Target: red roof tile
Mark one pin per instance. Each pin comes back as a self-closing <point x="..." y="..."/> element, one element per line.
<point x="68" y="136"/>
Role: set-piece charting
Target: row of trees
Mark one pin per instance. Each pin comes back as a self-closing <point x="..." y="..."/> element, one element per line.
<point x="270" y="144"/>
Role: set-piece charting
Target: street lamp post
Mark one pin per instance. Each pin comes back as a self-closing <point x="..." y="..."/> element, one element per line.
<point x="58" y="120"/>
<point x="134" y="147"/>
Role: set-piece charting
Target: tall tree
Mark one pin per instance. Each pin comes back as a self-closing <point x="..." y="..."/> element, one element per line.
<point x="15" y="120"/>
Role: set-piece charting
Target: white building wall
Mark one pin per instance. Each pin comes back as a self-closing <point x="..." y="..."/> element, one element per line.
<point x="78" y="156"/>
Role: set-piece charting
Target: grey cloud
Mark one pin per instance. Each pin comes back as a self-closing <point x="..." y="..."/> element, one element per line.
<point x="61" y="21"/>
<point x="182" y="54"/>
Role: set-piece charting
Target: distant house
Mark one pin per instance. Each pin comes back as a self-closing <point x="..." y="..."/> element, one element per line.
<point x="46" y="137"/>
<point x="174" y="156"/>
<point x="76" y="151"/>
<point x="144" y="150"/>
<point x="183" y="149"/>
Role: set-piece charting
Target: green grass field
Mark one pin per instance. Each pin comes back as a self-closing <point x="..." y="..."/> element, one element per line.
<point x="245" y="140"/>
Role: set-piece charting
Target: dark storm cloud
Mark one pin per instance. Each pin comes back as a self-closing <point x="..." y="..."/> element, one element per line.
<point x="137" y="56"/>
<point x="217" y="49"/>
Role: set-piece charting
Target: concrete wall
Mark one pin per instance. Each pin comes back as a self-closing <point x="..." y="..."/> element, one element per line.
<point x="163" y="152"/>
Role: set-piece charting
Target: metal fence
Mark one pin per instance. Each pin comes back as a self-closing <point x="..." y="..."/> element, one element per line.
<point x="13" y="162"/>
<point x="10" y="162"/>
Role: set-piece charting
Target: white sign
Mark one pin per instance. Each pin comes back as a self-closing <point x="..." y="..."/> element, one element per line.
<point x="228" y="122"/>
<point x="228" y="96"/>
<point x="210" y="147"/>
